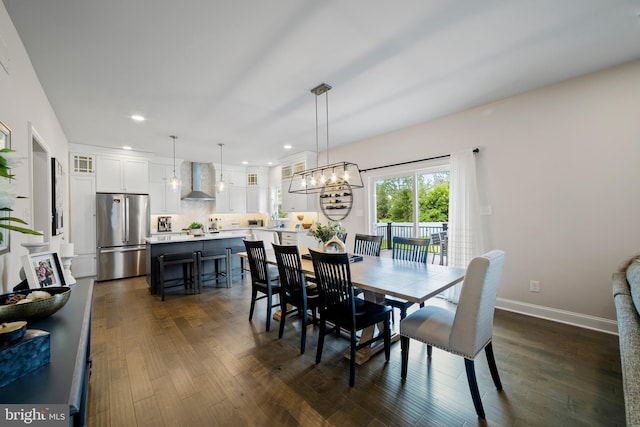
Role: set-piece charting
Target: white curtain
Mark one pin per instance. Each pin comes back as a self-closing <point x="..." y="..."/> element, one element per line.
<point x="465" y="232"/>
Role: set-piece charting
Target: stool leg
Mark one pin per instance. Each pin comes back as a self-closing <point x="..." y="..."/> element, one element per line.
<point x="227" y="263"/>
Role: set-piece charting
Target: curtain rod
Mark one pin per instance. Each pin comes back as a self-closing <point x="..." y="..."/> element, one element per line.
<point x="475" y="150"/>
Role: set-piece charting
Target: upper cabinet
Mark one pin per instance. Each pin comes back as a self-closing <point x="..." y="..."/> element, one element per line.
<point x="163" y="198"/>
<point x="234" y="197"/>
<point x="257" y="180"/>
<point x="292" y="202"/>
<point x="119" y="174"/>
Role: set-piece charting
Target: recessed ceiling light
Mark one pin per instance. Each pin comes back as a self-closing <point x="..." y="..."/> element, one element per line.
<point x="126" y="147"/>
<point x="137" y="118"/>
<point x="270" y="163"/>
<point x="287" y="147"/>
<point x="244" y="162"/>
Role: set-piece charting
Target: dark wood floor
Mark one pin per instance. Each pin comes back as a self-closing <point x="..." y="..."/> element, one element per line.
<point x="196" y="360"/>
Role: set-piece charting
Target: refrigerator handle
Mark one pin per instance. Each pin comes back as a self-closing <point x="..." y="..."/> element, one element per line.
<point x="126" y="221"/>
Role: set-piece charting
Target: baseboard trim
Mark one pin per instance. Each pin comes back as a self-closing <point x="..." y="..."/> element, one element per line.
<point x="561" y="316"/>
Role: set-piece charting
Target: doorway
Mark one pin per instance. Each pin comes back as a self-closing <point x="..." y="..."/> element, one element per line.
<point x="40" y="184"/>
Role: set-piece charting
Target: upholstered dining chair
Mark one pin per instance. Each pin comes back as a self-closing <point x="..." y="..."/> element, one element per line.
<point x="365" y="244"/>
<point x="414" y="249"/>
<point x="337" y="305"/>
<point x="294" y="290"/>
<point x="263" y="278"/>
<point x="468" y="329"/>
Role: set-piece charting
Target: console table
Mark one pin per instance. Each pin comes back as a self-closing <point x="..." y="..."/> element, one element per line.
<point x="65" y="379"/>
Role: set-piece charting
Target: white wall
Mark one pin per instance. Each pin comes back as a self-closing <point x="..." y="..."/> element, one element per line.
<point x="560" y="169"/>
<point x="22" y="101"/>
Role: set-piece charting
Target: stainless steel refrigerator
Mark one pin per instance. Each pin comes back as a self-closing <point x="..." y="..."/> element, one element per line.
<point x="122" y="225"/>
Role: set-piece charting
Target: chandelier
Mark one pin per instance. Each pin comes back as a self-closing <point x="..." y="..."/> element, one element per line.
<point x="315" y="180"/>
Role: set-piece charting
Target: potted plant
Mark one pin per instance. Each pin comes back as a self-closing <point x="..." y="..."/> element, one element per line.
<point x="196" y="229"/>
<point x="324" y="233"/>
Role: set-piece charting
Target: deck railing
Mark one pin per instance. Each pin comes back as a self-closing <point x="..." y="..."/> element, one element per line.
<point x="390" y="229"/>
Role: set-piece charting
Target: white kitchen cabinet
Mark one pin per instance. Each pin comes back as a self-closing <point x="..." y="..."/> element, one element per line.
<point x="234" y="197"/>
<point x="257" y="190"/>
<point x="118" y="174"/>
<point x="293" y="202"/>
<point x="82" y="224"/>
<point x="163" y="198"/>
<point x="298" y="238"/>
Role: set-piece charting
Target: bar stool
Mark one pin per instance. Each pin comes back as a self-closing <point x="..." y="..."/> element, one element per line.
<point x="189" y="262"/>
<point x="214" y="255"/>
<point x="234" y="250"/>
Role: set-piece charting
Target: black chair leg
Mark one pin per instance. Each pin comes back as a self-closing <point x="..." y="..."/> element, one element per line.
<point x="429" y="350"/>
<point x="404" y="342"/>
<point x="323" y="328"/>
<point x="387" y="339"/>
<point x="492" y="366"/>
<point x="303" y="333"/>
<point x="473" y="387"/>
<point x="254" y="294"/>
<point x="269" y="311"/>
<point x="283" y="316"/>
<point x="352" y="362"/>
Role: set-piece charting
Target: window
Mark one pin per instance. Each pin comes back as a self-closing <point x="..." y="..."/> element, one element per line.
<point x="410" y="204"/>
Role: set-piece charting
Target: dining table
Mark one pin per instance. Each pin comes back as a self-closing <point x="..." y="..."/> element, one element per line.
<point x="381" y="276"/>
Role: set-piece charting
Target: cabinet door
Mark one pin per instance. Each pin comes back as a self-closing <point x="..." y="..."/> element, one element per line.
<point x="163" y="198"/>
<point x="292" y="202"/>
<point x="109" y="174"/>
<point x="82" y="190"/>
<point x="238" y="199"/>
<point x="257" y="199"/>
<point x="135" y="176"/>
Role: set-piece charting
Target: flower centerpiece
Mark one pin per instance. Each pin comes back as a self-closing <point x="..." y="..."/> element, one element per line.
<point x="324" y="233"/>
<point x="9" y="159"/>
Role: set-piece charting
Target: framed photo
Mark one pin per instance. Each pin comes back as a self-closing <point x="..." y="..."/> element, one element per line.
<point x="5" y="142"/>
<point x="43" y="269"/>
<point x="57" y="202"/>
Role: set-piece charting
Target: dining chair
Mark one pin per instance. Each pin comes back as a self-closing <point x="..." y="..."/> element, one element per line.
<point x="337" y="306"/>
<point x="365" y="244"/>
<point x="465" y="331"/>
<point x="294" y="290"/>
<point x="263" y="278"/>
<point x="444" y="248"/>
<point x="414" y="249"/>
<point x="435" y="247"/>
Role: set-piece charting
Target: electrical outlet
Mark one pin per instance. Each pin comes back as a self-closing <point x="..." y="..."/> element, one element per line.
<point x="534" y="286"/>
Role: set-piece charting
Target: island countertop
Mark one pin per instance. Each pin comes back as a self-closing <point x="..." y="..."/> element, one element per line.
<point x="228" y="234"/>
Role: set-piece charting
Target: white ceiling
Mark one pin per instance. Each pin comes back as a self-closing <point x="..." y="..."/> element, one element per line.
<point x="239" y="72"/>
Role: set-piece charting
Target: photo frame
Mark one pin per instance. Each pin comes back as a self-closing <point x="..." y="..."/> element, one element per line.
<point x="57" y="202"/>
<point x="43" y="269"/>
<point x="5" y="142"/>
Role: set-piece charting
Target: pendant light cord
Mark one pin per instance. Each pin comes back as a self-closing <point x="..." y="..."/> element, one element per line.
<point x="326" y="95"/>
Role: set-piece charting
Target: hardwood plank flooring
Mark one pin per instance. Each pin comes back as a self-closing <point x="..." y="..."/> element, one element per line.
<point x="196" y="360"/>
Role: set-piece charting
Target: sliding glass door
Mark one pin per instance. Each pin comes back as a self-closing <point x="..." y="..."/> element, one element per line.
<point x="411" y="204"/>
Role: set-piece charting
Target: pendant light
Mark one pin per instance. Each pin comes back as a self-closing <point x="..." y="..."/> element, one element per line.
<point x="174" y="181"/>
<point x="221" y="184"/>
<point x="316" y="180"/>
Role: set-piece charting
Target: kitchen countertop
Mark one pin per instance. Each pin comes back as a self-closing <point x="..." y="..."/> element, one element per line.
<point x="227" y="234"/>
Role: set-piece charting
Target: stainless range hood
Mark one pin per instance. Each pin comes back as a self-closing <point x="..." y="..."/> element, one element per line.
<point x="196" y="186"/>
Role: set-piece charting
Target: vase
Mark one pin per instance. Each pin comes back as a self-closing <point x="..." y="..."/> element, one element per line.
<point x="334" y="244"/>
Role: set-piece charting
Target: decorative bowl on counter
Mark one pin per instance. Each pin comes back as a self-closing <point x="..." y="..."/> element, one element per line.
<point x="34" y="309"/>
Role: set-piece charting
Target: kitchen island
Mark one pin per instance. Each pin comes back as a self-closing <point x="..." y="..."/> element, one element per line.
<point x="171" y="244"/>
